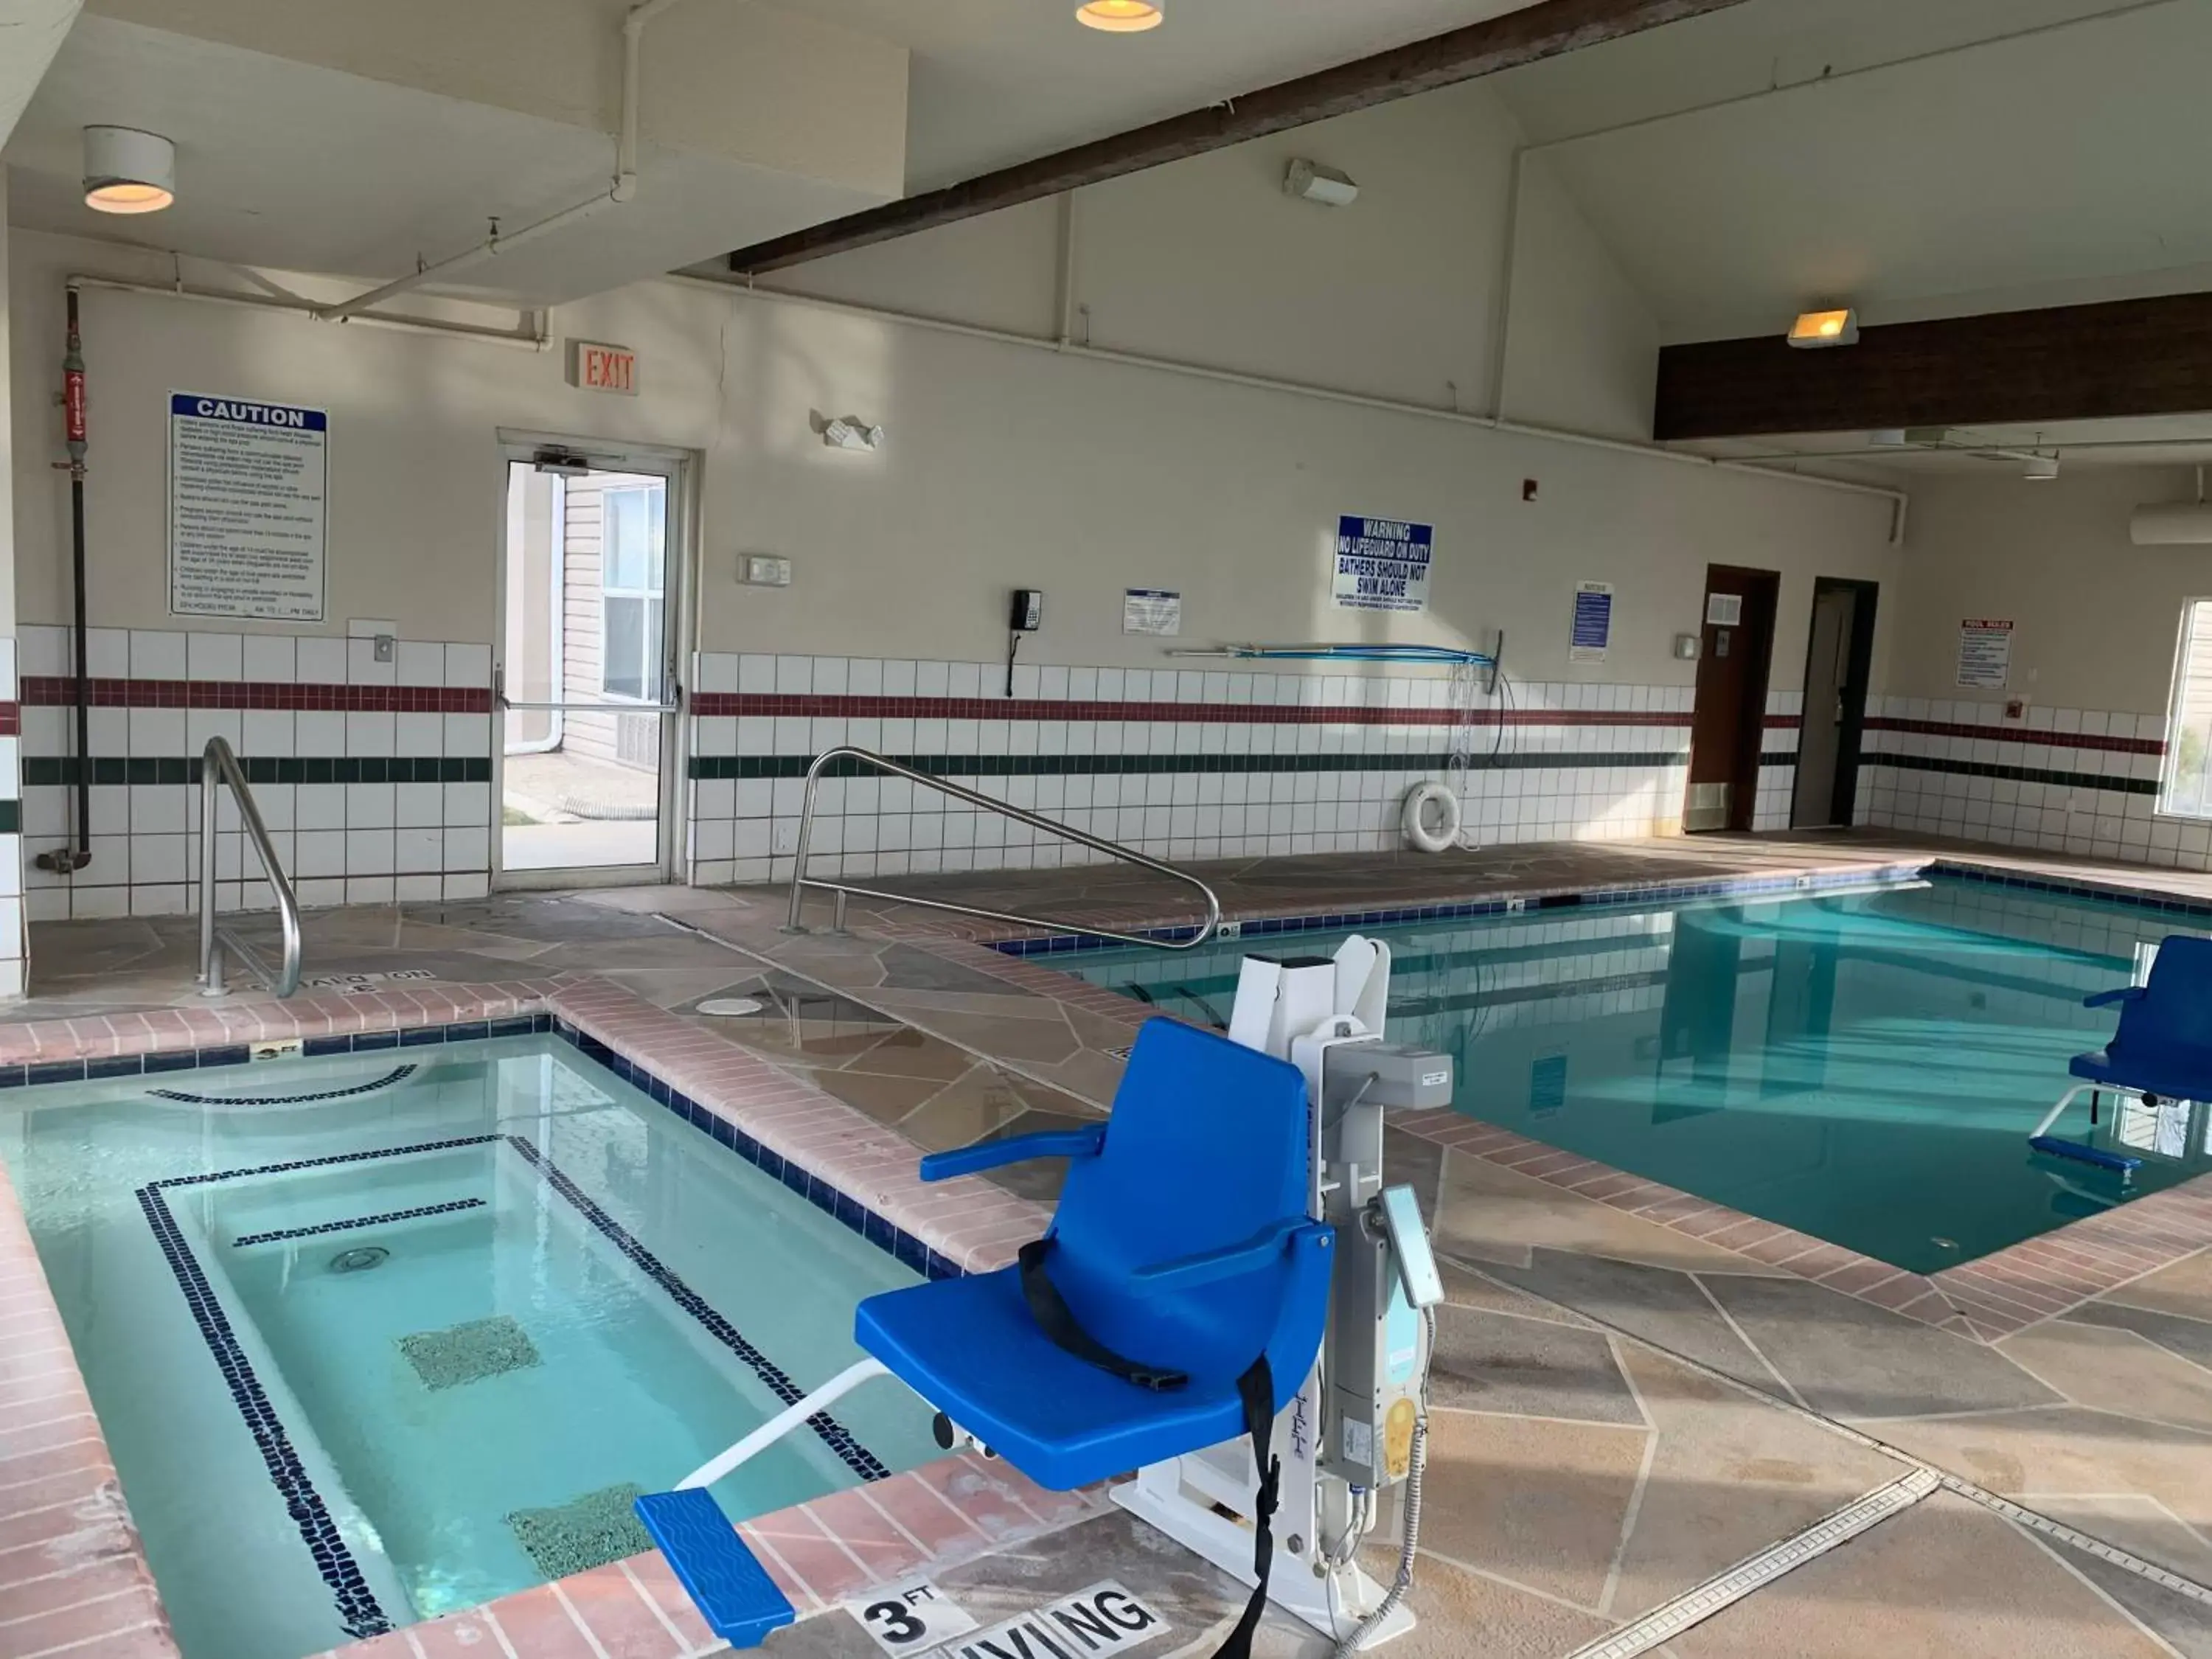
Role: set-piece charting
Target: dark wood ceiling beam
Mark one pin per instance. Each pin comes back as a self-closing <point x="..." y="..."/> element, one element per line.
<point x="2125" y="358"/>
<point x="1546" y="29"/>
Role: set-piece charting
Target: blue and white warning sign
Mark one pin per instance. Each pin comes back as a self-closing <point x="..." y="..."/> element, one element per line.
<point x="1382" y="564"/>
<point x="248" y="484"/>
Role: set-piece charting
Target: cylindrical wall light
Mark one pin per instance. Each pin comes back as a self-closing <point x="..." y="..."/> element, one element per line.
<point x="127" y="171"/>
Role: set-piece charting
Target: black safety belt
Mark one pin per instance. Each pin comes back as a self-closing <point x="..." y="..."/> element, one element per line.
<point x="1255" y="1388"/>
<point x="1058" y="1322"/>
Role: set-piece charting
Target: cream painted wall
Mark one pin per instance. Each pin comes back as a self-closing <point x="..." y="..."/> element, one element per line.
<point x="1581" y="347"/>
<point x="1396" y="296"/>
<point x="415" y="489"/>
<point x="2097" y="616"/>
<point x="742" y="82"/>
<point x="7" y="436"/>
<point x="1006" y="465"/>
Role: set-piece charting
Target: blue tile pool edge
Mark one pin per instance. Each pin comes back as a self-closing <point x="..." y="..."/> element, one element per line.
<point x="1949" y="869"/>
<point x="2132" y="898"/>
<point x="879" y="1231"/>
<point x="360" y="1616"/>
<point x="1506" y="904"/>
<point x="359" y="1611"/>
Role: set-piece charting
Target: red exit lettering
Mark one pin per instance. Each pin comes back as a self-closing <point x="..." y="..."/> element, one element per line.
<point x="603" y="367"/>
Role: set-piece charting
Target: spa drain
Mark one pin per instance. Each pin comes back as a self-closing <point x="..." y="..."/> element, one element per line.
<point x="360" y="1259"/>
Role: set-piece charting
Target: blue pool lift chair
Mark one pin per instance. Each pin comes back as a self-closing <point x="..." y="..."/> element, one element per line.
<point x="2162" y="1050"/>
<point x="1177" y="1300"/>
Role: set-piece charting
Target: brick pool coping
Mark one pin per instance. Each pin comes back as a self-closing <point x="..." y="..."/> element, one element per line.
<point x="1990" y="1298"/>
<point x="60" y="1497"/>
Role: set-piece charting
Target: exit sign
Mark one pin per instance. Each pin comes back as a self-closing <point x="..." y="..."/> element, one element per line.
<point x="597" y="367"/>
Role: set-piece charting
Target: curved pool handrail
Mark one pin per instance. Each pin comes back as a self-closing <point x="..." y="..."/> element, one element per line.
<point x="801" y="881"/>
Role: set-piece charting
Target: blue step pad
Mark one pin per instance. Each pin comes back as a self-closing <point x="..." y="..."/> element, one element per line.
<point x="2056" y="1148"/>
<point x="725" y="1580"/>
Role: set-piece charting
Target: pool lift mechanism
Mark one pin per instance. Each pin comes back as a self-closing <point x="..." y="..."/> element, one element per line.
<point x="1355" y="1428"/>
<point x="1359" y="1426"/>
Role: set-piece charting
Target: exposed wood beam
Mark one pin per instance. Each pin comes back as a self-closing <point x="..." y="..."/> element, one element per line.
<point x="1546" y="29"/>
<point x="2124" y="358"/>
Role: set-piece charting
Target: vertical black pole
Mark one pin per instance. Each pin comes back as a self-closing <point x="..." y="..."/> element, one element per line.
<point x="73" y="400"/>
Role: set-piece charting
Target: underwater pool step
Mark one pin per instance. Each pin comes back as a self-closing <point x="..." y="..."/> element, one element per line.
<point x="725" y="1580"/>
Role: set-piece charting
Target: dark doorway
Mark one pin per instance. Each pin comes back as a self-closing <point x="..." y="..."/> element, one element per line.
<point x="1838" y="657"/>
<point x="1733" y="662"/>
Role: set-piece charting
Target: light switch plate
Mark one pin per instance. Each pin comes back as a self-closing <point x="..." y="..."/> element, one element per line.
<point x="763" y="570"/>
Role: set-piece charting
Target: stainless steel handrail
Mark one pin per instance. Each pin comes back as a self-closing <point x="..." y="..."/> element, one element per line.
<point x="801" y="881"/>
<point x="219" y="766"/>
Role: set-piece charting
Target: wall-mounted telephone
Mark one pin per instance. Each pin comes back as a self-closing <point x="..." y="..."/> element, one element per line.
<point x="1027" y="616"/>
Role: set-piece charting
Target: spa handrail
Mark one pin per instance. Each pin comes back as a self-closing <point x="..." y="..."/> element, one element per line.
<point x="219" y="766"/>
<point x="801" y="881"/>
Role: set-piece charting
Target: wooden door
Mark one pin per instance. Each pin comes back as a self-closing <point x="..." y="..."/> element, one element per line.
<point x="1726" y="732"/>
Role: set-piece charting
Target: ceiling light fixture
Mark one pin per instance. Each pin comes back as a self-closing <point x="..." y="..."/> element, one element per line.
<point x="1825" y="328"/>
<point x="1121" y="16"/>
<point x="2041" y="469"/>
<point x="1310" y="181"/>
<point x="127" y="171"/>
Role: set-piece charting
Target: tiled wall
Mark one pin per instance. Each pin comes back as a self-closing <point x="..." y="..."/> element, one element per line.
<point x="1181" y="763"/>
<point x="1778" y="761"/>
<point x="11" y="839"/>
<point x="374" y="778"/>
<point x="2061" y="780"/>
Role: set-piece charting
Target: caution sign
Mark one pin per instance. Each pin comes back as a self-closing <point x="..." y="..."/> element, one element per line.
<point x="1382" y="564"/>
<point x="247" y="536"/>
<point x="1105" y="1619"/>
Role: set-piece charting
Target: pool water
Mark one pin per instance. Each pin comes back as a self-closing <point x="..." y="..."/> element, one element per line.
<point x="390" y="1352"/>
<point x="1864" y="1066"/>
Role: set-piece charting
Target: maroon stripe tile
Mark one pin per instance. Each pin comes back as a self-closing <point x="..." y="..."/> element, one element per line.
<point x="58" y="690"/>
<point x="2018" y="734"/>
<point x="767" y="704"/>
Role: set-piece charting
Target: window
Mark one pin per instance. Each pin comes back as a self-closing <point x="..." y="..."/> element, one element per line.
<point x="633" y="560"/>
<point x="2187" y="786"/>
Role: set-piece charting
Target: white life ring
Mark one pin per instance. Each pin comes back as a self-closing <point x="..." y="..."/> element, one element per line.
<point x="1445" y="835"/>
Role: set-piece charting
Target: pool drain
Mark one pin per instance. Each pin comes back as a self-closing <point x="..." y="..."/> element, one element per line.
<point x="360" y="1259"/>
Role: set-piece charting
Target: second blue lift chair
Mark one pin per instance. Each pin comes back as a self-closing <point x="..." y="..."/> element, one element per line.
<point x="2161" y="1051"/>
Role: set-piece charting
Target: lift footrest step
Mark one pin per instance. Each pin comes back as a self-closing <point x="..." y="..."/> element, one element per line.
<point x="2081" y="1153"/>
<point x="733" y="1591"/>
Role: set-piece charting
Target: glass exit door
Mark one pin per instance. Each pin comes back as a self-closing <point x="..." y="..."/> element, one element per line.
<point x="587" y="689"/>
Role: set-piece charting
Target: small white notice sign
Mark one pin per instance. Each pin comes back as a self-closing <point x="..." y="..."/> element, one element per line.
<point x="1724" y="610"/>
<point x="1151" y="611"/>
<point x="1105" y="1619"/>
<point x="247" y="527"/>
<point x="1984" y="653"/>
<point x="910" y="1617"/>
<point x="1592" y="630"/>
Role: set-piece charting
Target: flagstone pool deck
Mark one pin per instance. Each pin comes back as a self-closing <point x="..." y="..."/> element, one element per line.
<point x="1633" y="1390"/>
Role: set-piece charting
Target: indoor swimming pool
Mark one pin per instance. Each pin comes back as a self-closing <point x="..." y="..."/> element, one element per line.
<point x="380" y="1336"/>
<point x="1863" y="1067"/>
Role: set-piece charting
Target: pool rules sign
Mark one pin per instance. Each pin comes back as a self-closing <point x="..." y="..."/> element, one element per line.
<point x="248" y="533"/>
